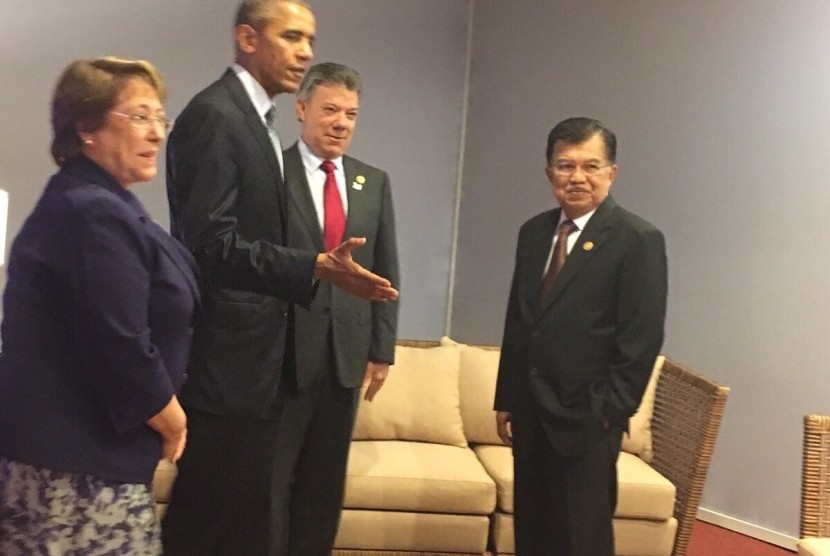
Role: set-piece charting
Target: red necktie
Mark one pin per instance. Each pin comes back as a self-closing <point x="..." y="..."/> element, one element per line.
<point x="557" y="260"/>
<point x="334" y="221"/>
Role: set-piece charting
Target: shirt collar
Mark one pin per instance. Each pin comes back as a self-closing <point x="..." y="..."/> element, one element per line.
<point x="312" y="162"/>
<point x="256" y="92"/>
<point x="580" y="222"/>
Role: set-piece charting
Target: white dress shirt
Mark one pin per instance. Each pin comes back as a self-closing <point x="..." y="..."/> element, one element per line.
<point x="316" y="178"/>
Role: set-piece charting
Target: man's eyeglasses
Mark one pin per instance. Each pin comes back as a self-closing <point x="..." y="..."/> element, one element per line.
<point x="569" y="168"/>
<point x="144" y="121"/>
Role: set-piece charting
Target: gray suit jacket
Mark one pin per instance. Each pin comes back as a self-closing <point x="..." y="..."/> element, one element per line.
<point x="338" y="326"/>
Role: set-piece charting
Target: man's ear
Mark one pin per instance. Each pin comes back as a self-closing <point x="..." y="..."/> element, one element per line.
<point x="299" y="105"/>
<point x="247" y="38"/>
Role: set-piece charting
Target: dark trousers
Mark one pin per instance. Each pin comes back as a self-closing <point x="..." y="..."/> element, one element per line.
<point x="221" y="505"/>
<point x="310" y="468"/>
<point x="564" y="505"/>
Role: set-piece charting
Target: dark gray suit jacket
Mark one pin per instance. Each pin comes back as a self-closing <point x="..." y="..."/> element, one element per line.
<point x="228" y="204"/>
<point x="360" y="330"/>
<point x="588" y="353"/>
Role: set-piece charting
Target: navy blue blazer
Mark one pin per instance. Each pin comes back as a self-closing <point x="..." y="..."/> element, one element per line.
<point x="98" y="311"/>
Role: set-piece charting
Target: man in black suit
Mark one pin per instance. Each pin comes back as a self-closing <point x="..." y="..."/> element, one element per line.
<point x="580" y="339"/>
<point x="341" y="341"/>
<point x="228" y="204"/>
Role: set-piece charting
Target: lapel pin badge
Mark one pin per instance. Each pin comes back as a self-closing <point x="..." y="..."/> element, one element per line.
<point x="358" y="182"/>
<point x="588" y="245"/>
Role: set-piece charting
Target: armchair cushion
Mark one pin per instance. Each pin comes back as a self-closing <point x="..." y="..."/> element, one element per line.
<point x="638" y="439"/>
<point x="814" y="547"/>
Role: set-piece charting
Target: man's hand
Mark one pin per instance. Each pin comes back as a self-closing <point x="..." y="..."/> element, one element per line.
<point x="504" y="426"/>
<point x="338" y="267"/>
<point x="374" y="378"/>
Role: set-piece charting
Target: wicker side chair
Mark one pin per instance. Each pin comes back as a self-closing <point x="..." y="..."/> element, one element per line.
<point x="688" y="409"/>
<point x="815" y="487"/>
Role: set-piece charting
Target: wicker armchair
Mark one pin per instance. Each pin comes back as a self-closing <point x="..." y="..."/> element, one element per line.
<point x="815" y="487"/>
<point x="687" y="413"/>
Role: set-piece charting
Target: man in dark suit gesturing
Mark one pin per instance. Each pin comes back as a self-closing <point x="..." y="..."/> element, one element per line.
<point x="228" y="204"/>
<point x="341" y="341"/>
<point x="584" y="325"/>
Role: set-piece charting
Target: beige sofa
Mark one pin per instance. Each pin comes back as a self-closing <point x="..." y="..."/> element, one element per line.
<point x="427" y="473"/>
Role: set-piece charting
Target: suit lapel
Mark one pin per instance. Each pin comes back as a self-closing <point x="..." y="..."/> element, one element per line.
<point x="300" y="194"/>
<point x="590" y="242"/>
<point x="357" y="200"/>
<point x="181" y="257"/>
<point x="257" y="129"/>
<point x="536" y="253"/>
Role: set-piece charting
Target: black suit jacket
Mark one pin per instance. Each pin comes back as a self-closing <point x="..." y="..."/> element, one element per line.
<point x="228" y="205"/>
<point x="588" y="353"/>
<point x="360" y="330"/>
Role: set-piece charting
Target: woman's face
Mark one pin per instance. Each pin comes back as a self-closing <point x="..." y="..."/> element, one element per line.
<point x="128" y="143"/>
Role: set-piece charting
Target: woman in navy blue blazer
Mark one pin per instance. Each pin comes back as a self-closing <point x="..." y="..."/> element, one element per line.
<point x="98" y="311"/>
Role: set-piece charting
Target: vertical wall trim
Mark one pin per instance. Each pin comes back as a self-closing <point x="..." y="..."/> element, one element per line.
<point x="460" y="173"/>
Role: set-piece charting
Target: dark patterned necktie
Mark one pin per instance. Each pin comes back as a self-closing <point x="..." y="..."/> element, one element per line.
<point x="557" y="260"/>
<point x="334" y="219"/>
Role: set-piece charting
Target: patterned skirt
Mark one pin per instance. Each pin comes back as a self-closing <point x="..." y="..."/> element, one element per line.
<point x="50" y="513"/>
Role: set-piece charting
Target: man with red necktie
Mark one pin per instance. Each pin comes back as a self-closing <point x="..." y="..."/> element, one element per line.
<point x="341" y="342"/>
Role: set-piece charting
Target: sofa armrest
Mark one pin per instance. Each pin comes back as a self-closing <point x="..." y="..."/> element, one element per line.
<point x="688" y="409"/>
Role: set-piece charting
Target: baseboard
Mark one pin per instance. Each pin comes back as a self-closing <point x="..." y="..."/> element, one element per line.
<point x="745" y="528"/>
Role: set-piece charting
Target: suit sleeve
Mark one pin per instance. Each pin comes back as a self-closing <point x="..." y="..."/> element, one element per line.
<point x="511" y="345"/>
<point x="204" y="169"/>
<point x="111" y="274"/>
<point x="641" y="313"/>
<point x="385" y="314"/>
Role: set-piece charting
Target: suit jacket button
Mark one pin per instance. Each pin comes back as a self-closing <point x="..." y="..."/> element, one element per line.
<point x="326" y="310"/>
<point x="535" y="334"/>
<point x="533" y="371"/>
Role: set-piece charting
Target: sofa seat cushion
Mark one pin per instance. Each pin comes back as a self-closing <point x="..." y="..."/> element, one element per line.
<point x="814" y="547"/>
<point x="632" y="537"/>
<point x="498" y="462"/>
<point x="643" y="492"/>
<point x="417" y="476"/>
<point x="412" y="531"/>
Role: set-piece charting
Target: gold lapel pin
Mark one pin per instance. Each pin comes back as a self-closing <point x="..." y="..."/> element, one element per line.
<point x="360" y="179"/>
<point x="588" y="245"/>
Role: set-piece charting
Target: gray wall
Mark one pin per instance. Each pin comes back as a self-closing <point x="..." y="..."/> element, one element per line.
<point x="722" y="114"/>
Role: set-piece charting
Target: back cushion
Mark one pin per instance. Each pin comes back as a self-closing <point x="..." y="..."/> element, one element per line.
<point x="638" y="439"/>
<point x="477" y="385"/>
<point x="418" y="401"/>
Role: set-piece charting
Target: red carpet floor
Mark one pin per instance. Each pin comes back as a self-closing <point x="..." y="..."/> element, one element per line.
<point x="711" y="540"/>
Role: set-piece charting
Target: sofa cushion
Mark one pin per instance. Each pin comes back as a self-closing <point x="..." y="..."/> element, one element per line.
<point x="498" y="462"/>
<point x="638" y="439"/>
<point x="477" y="375"/>
<point x="643" y="492"/>
<point x="814" y="547"/>
<point x="411" y="531"/>
<point x="417" y="476"/>
<point x="419" y="400"/>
